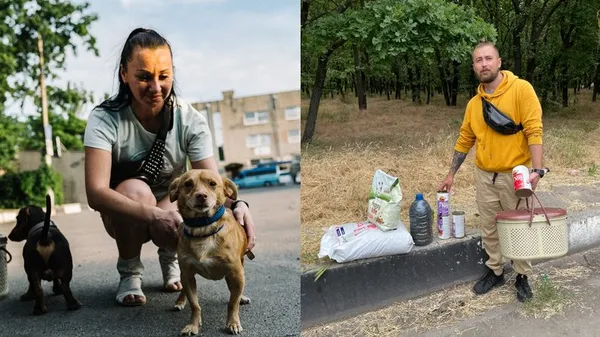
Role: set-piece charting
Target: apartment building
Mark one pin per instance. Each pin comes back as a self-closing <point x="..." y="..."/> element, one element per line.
<point x="253" y="129"/>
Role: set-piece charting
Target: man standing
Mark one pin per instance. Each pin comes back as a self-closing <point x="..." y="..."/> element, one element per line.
<point x="500" y="144"/>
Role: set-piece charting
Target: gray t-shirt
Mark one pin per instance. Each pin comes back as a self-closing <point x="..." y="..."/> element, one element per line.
<point x="122" y="134"/>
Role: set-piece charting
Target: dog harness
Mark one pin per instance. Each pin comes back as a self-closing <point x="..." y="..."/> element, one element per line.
<point x="203" y="221"/>
<point x="37" y="227"/>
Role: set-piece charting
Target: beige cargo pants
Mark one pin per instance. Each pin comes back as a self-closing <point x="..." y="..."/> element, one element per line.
<point x="496" y="194"/>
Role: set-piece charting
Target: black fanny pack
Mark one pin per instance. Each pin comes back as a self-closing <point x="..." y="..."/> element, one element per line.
<point x="148" y="168"/>
<point x="497" y="120"/>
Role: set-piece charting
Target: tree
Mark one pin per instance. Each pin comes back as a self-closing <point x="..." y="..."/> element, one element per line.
<point x="391" y="31"/>
<point x="322" y="34"/>
<point x="58" y="24"/>
<point x="63" y="118"/>
<point x="10" y="138"/>
<point x="36" y="31"/>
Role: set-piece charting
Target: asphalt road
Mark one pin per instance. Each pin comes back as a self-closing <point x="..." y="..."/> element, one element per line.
<point x="272" y="282"/>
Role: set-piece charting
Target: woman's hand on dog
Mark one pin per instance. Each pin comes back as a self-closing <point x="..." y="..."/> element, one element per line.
<point x="243" y="216"/>
<point x="166" y="222"/>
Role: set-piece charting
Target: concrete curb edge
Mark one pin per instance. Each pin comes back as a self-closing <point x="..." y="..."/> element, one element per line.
<point x="352" y="288"/>
<point x="9" y="215"/>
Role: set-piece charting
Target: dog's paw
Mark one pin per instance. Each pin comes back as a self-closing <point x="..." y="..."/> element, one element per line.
<point x="245" y="300"/>
<point x="179" y="306"/>
<point x="189" y="330"/>
<point x="27" y="296"/>
<point x="74" y="306"/>
<point x="40" y="310"/>
<point x="234" y="328"/>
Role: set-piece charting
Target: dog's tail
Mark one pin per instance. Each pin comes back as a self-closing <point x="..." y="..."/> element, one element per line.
<point x="45" y="245"/>
<point x="44" y="240"/>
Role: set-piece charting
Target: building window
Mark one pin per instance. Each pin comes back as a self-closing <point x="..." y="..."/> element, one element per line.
<point x="262" y="151"/>
<point x="292" y="113"/>
<point x="258" y="140"/>
<point x="256" y="117"/>
<point x="294" y="136"/>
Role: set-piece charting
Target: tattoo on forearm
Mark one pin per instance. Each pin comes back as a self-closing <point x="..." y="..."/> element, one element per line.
<point x="457" y="160"/>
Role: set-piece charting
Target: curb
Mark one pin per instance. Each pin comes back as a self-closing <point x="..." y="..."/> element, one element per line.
<point x="9" y="216"/>
<point x="359" y="286"/>
<point x="356" y="287"/>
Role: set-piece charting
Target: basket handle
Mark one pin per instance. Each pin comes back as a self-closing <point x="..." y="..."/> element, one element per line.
<point x="8" y="253"/>
<point x="532" y="208"/>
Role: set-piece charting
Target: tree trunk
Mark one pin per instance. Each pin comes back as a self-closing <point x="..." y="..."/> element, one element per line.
<point x="455" y="82"/>
<point x="596" y="82"/>
<point x="414" y="82"/>
<point x="360" y="80"/>
<point x="552" y="74"/>
<point x="565" y="86"/>
<point x="474" y="84"/>
<point x="531" y="65"/>
<point x="388" y="89"/>
<point x="517" y="52"/>
<point x="428" y="88"/>
<point x="396" y="70"/>
<point x="315" y="98"/>
<point x="304" y="12"/>
<point x="443" y="80"/>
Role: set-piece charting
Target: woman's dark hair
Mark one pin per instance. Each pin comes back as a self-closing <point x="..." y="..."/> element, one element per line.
<point x="143" y="38"/>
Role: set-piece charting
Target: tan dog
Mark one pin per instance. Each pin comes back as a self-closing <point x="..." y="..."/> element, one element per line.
<point x="209" y="244"/>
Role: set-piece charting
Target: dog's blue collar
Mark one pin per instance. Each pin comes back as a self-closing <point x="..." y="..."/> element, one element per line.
<point x="187" y="234"/>
<point x="205" y="221"/>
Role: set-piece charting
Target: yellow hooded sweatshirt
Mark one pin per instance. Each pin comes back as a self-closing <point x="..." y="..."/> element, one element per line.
<point x="496" y="152"/>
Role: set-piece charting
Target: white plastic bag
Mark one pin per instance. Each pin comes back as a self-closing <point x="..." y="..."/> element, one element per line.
<point x="384" y="201"/>
<point x="353" y="241"/>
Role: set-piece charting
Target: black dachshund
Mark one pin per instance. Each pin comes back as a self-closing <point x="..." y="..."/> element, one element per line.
<point x="46" y="255"/>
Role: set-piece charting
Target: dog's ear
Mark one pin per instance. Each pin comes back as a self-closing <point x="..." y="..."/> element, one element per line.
<point x="230" y="188"/>
<point x="174" y="190"/>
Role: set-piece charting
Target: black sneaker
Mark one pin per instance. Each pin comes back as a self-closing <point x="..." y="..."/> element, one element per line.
<point x="523" y="290"/>
<point x="487" y="282"/>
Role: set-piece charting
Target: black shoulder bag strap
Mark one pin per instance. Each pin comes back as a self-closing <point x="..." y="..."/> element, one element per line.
<point x="154" y="162"/>
<point x="147" y="169"/>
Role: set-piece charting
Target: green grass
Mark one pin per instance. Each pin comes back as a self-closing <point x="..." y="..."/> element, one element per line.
<point x="548" y="299"/>
<point x="592" y="171"/>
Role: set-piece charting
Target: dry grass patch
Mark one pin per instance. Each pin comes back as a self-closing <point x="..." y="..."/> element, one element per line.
<point x="415" y="143"/>
<point x="447" y="307"/>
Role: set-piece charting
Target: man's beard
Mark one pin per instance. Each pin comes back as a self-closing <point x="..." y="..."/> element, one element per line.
<point x="489" y="77"/>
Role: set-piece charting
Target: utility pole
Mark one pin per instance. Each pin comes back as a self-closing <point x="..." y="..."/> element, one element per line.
<point x="45" y="119"/>
<point x="275" y="126"/>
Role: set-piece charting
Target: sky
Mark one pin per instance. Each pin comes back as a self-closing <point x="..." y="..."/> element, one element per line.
<point x="251" y="47"/>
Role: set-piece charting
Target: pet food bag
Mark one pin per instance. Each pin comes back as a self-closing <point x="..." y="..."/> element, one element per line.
<point x="354" y="241"/>
<point x="384" y="201"/>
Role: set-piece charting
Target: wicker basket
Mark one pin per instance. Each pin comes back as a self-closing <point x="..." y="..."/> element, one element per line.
<point x="539" y="233"/>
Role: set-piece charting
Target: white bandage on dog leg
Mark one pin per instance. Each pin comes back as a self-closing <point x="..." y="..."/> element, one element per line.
<point x="169" y="266"/>
<point x="131" y="272"/>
